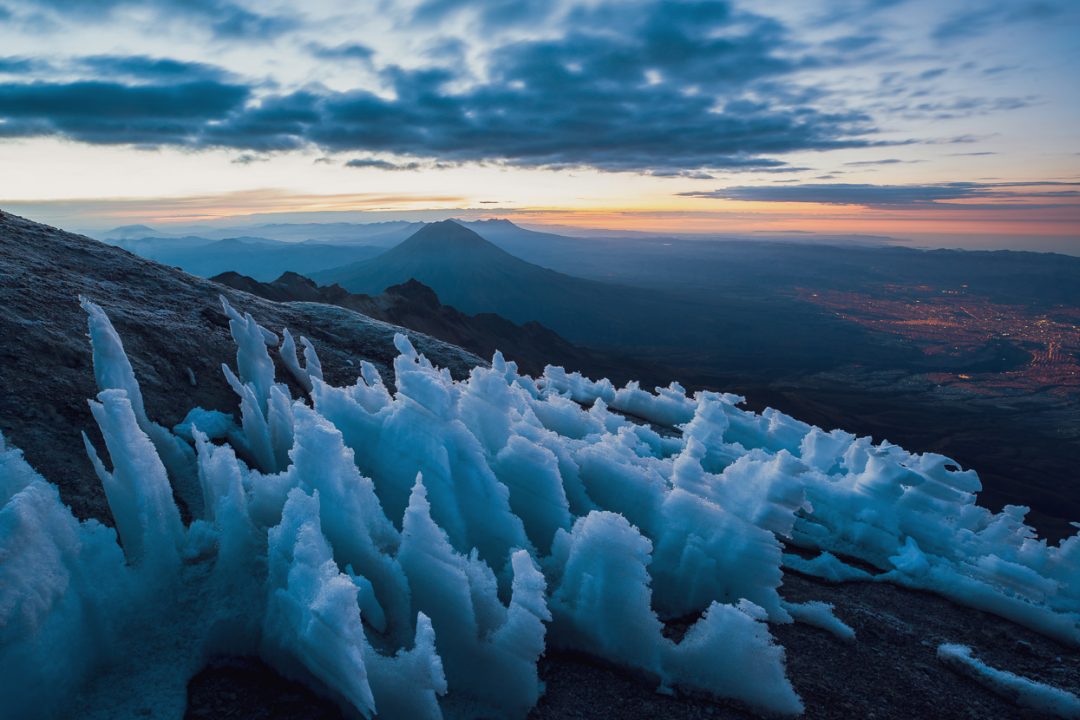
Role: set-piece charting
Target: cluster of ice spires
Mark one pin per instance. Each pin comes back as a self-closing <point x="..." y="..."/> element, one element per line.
<point x="412" y="553"/>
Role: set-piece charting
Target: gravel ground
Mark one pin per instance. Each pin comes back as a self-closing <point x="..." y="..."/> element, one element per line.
<point x="890" y="671"/>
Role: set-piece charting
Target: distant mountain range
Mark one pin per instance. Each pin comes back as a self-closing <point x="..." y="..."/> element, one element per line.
<point x="264" y="252"/>
<point x="260" y="258"/>
<point x="380" y="234"/>
<point x="701" y="268"/>
<point x="670" y="301"/>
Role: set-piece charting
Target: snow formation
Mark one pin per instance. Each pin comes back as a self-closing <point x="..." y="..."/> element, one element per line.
<point x="411" y="553"/>
<point x="1019" y="690"/>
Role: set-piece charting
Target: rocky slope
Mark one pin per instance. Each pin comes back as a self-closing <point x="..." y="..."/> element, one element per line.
<point x="171" y="322"/>
<point x="173" y="328"/>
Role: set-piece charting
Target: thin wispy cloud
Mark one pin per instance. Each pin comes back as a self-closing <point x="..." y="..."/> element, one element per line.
<point x="196" y="208"/>
<point x="978" y="18"/>
<point x="886" y="161"/>
<point x="954" y="194"/>
<point x="377" y="164"/>
<point x="345" y="51"/>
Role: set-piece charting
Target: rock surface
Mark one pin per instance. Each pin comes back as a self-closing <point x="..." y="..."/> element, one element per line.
<point x="890" y="671"/>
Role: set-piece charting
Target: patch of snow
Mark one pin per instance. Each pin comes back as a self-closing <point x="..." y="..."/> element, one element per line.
<point x="1019" y="690"/>
<point x="820" y="615"/>
<point x="825" y="566"/>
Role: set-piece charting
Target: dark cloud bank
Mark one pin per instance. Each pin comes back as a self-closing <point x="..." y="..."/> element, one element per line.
<point x="668" y="87"/>
<point x="671" y="88"/>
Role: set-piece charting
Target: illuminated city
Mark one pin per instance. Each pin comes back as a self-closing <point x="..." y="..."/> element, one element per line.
<point x="958" y="327"/>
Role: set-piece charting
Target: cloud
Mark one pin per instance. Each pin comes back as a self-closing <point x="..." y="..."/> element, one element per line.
<point x="12" y="65"/>
<point x="960" y="107"/>
<point x="957" y="140"/>
<point x="982" y="18"/>
<point x="896" y="196"/>
<point x="854" y="43"/>
<point x="688" y="174"/>
<point x="117" y="68"/>
<point x="834" y="12"/>
<point x="489" y="14"/>
<point x="233" y="21"/>
<point x="679" y="88"/>
<point x="113" y="113"/>
<point x="887" y="161"/>
<point x="345" y="51"/>
<point x="248" y="159"/>
<point x="381" y="164"/>
<point x="223" y="18"/>
<point x="146" y="68"/>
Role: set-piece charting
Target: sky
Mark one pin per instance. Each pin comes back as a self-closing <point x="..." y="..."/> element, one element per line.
<point x="944" y="123"/>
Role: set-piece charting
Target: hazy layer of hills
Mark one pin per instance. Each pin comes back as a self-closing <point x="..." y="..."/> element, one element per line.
<point x="380" y="234"/>
<point x="260" y="258"/>
<point x="698" y="265"/>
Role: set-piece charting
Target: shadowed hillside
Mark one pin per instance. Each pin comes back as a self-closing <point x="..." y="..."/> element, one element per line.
<point x="416" y="306"/>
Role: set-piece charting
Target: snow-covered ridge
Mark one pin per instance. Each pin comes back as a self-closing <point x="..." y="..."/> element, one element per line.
<point x="413" y="553"/>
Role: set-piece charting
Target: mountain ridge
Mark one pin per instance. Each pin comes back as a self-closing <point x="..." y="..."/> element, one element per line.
<point x="474" y="275"/>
